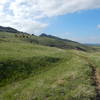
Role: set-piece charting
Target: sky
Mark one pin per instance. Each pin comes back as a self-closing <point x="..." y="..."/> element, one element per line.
<point x="77" y="20"/>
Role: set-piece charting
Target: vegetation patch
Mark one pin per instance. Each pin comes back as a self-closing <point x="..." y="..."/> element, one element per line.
<point x="13" y="70"/>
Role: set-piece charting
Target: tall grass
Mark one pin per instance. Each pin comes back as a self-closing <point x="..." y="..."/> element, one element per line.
<point x="33" y="72"/>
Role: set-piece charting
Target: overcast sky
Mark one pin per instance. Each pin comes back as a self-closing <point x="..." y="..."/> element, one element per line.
<point x="77" y="20"/>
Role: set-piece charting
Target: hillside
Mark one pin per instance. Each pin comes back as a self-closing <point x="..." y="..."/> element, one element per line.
<point x="65" y="43"/>
<point x="8" y="29"/>
<point x="43" y="39"/>
<point x="30" y="71"/>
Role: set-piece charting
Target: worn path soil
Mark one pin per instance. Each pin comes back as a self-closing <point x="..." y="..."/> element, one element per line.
<point x="97" y="80"/>
<point x="95" y="76"/>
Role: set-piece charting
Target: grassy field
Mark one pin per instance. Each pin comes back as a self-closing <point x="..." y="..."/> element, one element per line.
<point x="33" y="72"/>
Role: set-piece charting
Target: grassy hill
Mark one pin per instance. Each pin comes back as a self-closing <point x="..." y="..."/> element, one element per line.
<point x="31" y="70"/>
<point x="8" y="29"/>
<point x="45" y="40"/>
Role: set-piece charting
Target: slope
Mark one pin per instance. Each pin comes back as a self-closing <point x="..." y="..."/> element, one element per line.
<point x="34" y="72"/>
<point x="47" y="40"/>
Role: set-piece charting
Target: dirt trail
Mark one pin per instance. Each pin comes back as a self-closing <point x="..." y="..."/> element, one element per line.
<point x="95" y="76"/>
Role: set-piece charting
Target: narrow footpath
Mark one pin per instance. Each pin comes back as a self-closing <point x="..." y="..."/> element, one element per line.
<point x="97" y="79"/>
<point x="95" y="76"/>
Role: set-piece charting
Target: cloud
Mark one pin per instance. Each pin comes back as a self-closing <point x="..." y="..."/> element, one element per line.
<point x="17" y="14"/>
<point x="55" y="7"/>
<point x="26" y="14"/>
<point x="98" y="26"/>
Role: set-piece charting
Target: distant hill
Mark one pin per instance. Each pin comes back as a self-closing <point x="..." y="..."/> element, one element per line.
<point x="55" y="37"/>
<point x="8" y="29"/>
<point x="46" y="40"/>
<point x="65" y="43"/>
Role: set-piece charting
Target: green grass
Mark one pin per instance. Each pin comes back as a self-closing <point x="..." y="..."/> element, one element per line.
<point x="33" y="72"/>
<point x="46" y="41"/>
